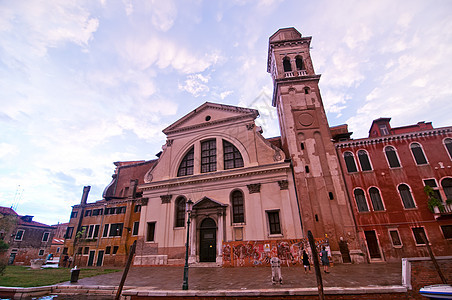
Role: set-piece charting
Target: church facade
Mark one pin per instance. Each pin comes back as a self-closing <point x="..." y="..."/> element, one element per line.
<point x="253" y="198"/>
<point x="240" y="183"/>
<point x="245" y="187"/>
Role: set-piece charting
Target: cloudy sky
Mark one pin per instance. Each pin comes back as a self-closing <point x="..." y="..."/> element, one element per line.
<point x="86" y="83"/>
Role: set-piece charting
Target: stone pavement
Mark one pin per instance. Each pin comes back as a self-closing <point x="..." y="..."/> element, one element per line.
<point x="251" y="278"/>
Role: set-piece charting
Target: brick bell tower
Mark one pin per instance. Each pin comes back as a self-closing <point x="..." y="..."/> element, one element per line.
<point x="306" y="140"/>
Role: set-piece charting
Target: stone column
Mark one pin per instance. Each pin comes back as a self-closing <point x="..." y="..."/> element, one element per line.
<point x="220" y="235"/>
<point x="193" y="240"/>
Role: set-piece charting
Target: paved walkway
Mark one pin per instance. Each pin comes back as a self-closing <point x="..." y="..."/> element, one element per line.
<point x="247" y="278"/>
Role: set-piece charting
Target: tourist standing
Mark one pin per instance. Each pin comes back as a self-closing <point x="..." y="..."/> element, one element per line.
<point x="324" y="259"/>
<point x="275" y="263"/>
<point x="306" y="263"/>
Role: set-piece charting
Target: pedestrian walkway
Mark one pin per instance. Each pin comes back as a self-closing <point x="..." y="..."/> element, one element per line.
<point x="249" y="278"/>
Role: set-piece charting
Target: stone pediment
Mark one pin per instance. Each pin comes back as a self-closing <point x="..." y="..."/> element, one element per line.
<point x="206" y="203"/>
<point x="210" y="114"/>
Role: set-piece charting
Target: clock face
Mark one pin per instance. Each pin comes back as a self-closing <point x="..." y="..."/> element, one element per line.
<point x="305" y="119"/>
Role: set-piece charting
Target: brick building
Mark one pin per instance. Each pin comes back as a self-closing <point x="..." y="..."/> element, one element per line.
<point x="101" y="233"/>
<point x="29" y="240"/>
<point x="56" y="248"/>
<point x="386" y="174"/>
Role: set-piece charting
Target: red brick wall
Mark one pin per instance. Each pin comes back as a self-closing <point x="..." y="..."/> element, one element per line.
<point x="424" y="273"/>
<point x="395" y="216"/>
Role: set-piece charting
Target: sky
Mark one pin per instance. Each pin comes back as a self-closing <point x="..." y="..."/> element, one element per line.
<point x="84" y="84"/>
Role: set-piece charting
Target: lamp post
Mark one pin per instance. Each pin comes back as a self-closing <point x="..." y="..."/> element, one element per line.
<point x="188" y="207"/>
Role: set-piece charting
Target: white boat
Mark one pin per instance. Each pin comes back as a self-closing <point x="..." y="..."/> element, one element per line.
<point x="437" y="291"/>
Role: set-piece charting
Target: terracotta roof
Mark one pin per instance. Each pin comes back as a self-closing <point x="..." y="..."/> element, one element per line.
<point x="20" y="221"/>
<point x="7" y="211"/>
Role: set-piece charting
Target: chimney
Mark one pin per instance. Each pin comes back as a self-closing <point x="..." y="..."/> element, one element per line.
<point x="133" y="188"/>
<point x="85" y="194"/>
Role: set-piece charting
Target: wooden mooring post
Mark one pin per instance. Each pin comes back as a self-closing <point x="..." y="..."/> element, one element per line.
<point x="433" y="258"/>
<point x="126" y="270"/>
<point x="315" y="259"/>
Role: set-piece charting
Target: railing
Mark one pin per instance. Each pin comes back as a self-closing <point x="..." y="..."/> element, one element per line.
<point x="302" y="73"/>
<point x="447" y="209"/>
<point x="293" y="74"/>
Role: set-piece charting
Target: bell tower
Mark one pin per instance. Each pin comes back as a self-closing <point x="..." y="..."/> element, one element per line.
<point x="306" y="140"/>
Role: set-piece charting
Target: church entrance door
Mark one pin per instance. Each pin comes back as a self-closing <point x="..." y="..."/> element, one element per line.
<point x="208" y="241"/>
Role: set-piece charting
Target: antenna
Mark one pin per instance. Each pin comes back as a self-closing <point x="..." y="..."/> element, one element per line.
<point x="17" y="197"/>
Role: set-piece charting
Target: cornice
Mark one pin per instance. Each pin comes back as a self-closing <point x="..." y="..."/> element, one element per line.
<point x="104" y="203"/>
<point x="396" y="137"/>
<point x="248" y="113"/>
<point x="216" y="176"/>
<point x="206" y="124"/>
<point x="291" y="80"/>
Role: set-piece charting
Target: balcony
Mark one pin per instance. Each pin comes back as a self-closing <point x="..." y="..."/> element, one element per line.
<point x="442" y="212"/>
<point x="295" y="74"/>
<point x="302" y="73"/>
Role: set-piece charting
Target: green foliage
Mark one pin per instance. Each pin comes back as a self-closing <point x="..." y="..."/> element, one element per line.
<point x="432" y="200"/>
<point x="80" y="234"/>
<point x="21" y="276"/>
<point x="3" y="246"/>
<point x="449" y="201"/>
<point x="3" y="264"/>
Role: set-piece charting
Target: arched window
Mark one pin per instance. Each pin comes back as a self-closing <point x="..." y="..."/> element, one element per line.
<point x="446" y="183"/>
<point x="299" y="63"/>
<point x="238" y="212"/>
<point x="361" y="202"/>
<point x="418" y="154"/>
<point x="209" y="156"/>
<point x="364" y="160"/>
<point x="180" y="212"/>
<point x="232" y="157"/>
<point x="350" y="162"/>
<point x="405" y="194"/>
<point x="186" y="166"/>
<point x="375" y="197"/>
<point x="448" y="145"/>
<point x="391" y="156"/>
<point x="286" y="64"/>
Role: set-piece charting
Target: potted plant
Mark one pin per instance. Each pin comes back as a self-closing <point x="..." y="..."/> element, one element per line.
<point x="434" y="204"/>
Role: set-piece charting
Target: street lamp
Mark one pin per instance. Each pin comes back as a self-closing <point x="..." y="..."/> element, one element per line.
<point x="188" y="207"/>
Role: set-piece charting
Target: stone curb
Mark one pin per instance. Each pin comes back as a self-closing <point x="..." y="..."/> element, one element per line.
<point x="266" y="292"/>
<point x="145" y="292"/>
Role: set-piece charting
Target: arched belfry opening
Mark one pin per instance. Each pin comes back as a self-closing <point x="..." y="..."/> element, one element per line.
<point x="286" y="64"/>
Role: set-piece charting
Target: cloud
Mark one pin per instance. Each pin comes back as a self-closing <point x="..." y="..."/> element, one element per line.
<point x="165" y="53"/>
<point x="163" y="14"/>
<point x="225" y="94"/>
<point x="7" y="149"/>
<point x="43" y="25"/>
<point x="195" y="85"/>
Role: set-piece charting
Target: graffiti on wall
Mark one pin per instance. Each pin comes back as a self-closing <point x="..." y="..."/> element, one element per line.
<point x="259" y="253"/>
